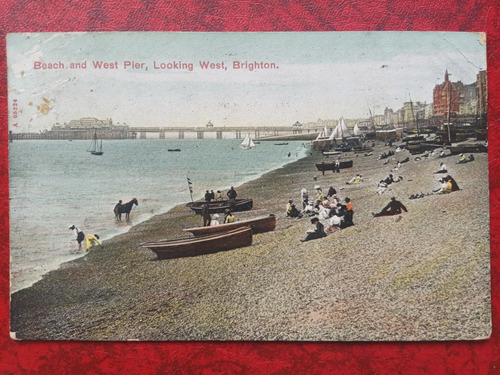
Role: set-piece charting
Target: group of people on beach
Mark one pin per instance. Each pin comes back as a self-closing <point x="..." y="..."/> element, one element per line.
<point x="210" y="196"/>
<point x="329" y="213"/>
<point x="89" y="240"/>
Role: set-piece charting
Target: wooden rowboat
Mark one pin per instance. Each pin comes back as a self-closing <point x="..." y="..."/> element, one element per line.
<point x="259" y="225"/>
<point x="221" y="206"/>
<point x="193" y="246"/>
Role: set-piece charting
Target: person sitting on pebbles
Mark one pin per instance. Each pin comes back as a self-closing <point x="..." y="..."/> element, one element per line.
<point x="229" y="218"/>
<point x="442" y="168"/>
<point x="393" y="208"/>
<point x="334" y="222"/>
<point x="318" y="232"/>
<point x="291" y="210"/>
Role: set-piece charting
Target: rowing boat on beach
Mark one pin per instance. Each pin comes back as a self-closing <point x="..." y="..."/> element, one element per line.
<point x="193" y="246"/>
<point x="243" y="204"/>
<point x="259" y="225"/>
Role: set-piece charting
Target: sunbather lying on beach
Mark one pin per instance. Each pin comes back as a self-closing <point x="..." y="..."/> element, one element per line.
<point x="356" y="179"/>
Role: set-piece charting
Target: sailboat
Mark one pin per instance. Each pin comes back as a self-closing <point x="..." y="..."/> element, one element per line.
<point x="96" y="146"/>
<point x="247" y="143"/>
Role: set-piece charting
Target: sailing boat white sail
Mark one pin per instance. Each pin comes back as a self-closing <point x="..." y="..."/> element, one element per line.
<point x="96" y="146"/>
<point x="356" y="130"/>
<point x="247" y="143"/>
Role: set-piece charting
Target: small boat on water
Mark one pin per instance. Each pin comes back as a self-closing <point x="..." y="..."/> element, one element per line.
<point x="193" y="246"/>
<point x="258" y="225"/>
<point x="247" y="143"/>
<point x="322" y="167"/>
<point x="281" y="144"/>
<point x="243" y="204"/>
<point x="96" y="146"/>
<point x="174" y="149"/>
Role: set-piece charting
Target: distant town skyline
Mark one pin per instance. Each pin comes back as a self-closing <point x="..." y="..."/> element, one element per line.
<point x="230" y="79"/>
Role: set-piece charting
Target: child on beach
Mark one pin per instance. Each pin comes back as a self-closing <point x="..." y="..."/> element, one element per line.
<point x="91" y="240"/>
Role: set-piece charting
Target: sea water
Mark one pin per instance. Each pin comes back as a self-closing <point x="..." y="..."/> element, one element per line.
<point x="55" y="184"/>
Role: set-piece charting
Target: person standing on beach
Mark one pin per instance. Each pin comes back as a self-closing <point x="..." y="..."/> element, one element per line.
<point x="115" y="210"/>
<point x="208" y="197"/>
<point x="205" y="214"/>
<point x="231" y="194"/>
<point x="319" y="199"/>
<point x="80" y="236"/>
<point x="305" y="198"/>
<point x="348" y="215"/>
<point x="393" y="208"/>
<point x="218" y="197"/>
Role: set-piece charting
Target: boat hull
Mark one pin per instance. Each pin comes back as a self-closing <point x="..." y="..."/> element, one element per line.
<point x="194" y="246"/>
<point x="259" y="225"/>
<point x="466" y="149"/>
<point x="322" y="167"/>
<point x="219" y="207"/>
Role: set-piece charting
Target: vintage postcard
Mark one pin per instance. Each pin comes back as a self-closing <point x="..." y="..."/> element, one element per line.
<point x="305" y="186"/>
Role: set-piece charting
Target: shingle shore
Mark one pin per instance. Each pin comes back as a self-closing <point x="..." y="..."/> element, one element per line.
<point x="423" y="277"/>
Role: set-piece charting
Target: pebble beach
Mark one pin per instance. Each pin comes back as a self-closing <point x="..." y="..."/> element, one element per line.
<point x="422" y="275"/>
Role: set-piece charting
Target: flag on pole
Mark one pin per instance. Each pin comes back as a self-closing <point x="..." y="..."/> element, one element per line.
<point x="190" y="188"/>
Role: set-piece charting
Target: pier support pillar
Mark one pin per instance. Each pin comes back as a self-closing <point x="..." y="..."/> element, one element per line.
<point x="181" y="134"/>
<point x="257" y="134"/>
<point x="199" y="135"/>
<point x="238" y="134"/>
<point x="162" y="134"/>
<point x="219" y="134"/>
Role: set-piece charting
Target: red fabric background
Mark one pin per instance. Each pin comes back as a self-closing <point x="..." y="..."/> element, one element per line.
<point x="481" y="357"/>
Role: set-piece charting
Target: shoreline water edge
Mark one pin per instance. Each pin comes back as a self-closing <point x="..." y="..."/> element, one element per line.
<point x="424" y="276"/>
<point x="156" y="178"/>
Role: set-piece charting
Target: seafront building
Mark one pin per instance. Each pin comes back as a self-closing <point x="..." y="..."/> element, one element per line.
<point x="83" y="128"/>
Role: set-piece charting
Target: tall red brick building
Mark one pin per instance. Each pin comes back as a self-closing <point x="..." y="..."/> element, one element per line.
<point x="448" y="96"/>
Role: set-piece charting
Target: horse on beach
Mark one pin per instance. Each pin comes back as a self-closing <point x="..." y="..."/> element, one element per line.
<point x="124" y="209"/>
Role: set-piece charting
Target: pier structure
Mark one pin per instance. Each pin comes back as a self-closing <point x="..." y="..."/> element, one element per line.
<point x="201" y="132"/>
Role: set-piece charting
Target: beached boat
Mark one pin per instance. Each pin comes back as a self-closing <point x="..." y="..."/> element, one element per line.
<point x="467" y="147"/>
<point x="247" y="143"/>
<point x="243" y="204"/>
<point x="332" y="153"/>
<point x="322" y="167"/>
<point x="193" y="246"/>
<point x="96" y="146"/>
<point x="258" y="225"/>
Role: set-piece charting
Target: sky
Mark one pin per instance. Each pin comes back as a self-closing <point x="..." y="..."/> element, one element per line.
<point x="318" y="75"/>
